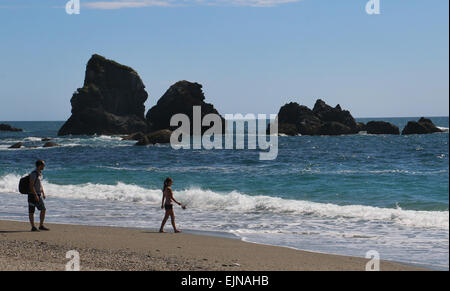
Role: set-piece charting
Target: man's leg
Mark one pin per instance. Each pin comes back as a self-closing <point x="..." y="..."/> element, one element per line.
<point x="31" y="210"/>
<point x="42" y="209"/>
<point x="31" y="216"/>
<point x="42" y="217"/>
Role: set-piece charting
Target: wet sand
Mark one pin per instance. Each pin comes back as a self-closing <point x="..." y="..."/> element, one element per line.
<point x="127" y="249"/>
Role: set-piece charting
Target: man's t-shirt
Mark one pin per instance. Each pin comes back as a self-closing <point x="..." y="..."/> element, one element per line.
<point x="35" y="179"/>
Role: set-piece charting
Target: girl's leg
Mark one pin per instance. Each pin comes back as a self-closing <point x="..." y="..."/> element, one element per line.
<point x="161" y="229"/>
<point x="172" y="218"/>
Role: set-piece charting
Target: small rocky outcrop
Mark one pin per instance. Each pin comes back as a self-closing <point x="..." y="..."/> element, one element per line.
<point x="111" y="101"/>
<point x="16" y="145"/>
<point x="134" y="136"/>
<point x="7" y="127"/>
<point x="423" y="126"/>
<point x="160" y="137"/>
<point x="50" y="144"/>
<point x="296" y="119"/>
<point x="46" y="139"/>
<point x="381" y="127"/>
<point x="180" y="98"/>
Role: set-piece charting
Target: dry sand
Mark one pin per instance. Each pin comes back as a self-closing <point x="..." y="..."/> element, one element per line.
<point x="113" y="248"/>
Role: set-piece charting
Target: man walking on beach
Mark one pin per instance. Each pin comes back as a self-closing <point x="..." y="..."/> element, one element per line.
<point x="34" y="198"/>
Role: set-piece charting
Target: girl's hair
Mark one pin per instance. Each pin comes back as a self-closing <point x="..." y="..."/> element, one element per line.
<point x="167" y="181"/>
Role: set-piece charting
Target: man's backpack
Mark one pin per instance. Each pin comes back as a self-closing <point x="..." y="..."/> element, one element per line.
<point x="24" y="185"/>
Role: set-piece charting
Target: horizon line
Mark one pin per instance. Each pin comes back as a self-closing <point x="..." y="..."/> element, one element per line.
<point x="418" y="116"/>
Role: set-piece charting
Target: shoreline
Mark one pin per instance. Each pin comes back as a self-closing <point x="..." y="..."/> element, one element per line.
<point x="120" y="248"/>
<point x="229" y="235"/>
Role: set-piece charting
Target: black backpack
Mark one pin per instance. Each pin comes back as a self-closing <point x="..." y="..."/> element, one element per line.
<point x="24" y="185"/>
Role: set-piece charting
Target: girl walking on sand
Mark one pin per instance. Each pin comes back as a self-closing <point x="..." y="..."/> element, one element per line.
<point x="167" y="204"/>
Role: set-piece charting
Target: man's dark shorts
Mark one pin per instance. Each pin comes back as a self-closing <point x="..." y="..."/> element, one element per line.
<point x="32" y="204"/>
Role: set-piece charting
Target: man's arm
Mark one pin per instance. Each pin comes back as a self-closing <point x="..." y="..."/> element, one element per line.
<point x="33" y="190"/>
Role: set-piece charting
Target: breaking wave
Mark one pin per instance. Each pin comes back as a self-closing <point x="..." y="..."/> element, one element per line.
<point x="236" y="202"/>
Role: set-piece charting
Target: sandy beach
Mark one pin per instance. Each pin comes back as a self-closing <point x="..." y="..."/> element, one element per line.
<point x="127" y="249"/>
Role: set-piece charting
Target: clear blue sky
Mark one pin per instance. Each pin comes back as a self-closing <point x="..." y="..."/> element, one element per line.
<point x="252" y="56"/>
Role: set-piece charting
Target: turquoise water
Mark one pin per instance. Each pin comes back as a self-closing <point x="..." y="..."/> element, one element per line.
<point x="344" y="195"/>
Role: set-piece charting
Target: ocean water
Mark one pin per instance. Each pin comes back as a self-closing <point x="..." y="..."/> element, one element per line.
<point x="343" y="195"/>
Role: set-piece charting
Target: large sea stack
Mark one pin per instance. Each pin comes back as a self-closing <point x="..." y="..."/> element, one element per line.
<point x="179" y="98"/>
<point x="111" y="101"/>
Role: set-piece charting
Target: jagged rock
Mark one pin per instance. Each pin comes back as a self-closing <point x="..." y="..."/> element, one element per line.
<point x="50" y="144"/>
<point x="16" y="146"/>
<point x="46" y="139"/>
<point x="179" y="98"/>
<point x="297" y="119"/>
<point x="134" y="136"/>
<point x="382" y="127"/>
<point x="111" y="101"/>
<point x="7" y="127"/>
<point x="160" y="136"/>
<point x="327" y="113"/>
<point x="303" y="119"/>
<point x="414" y="127"/>
<point x="423" y="126"/>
